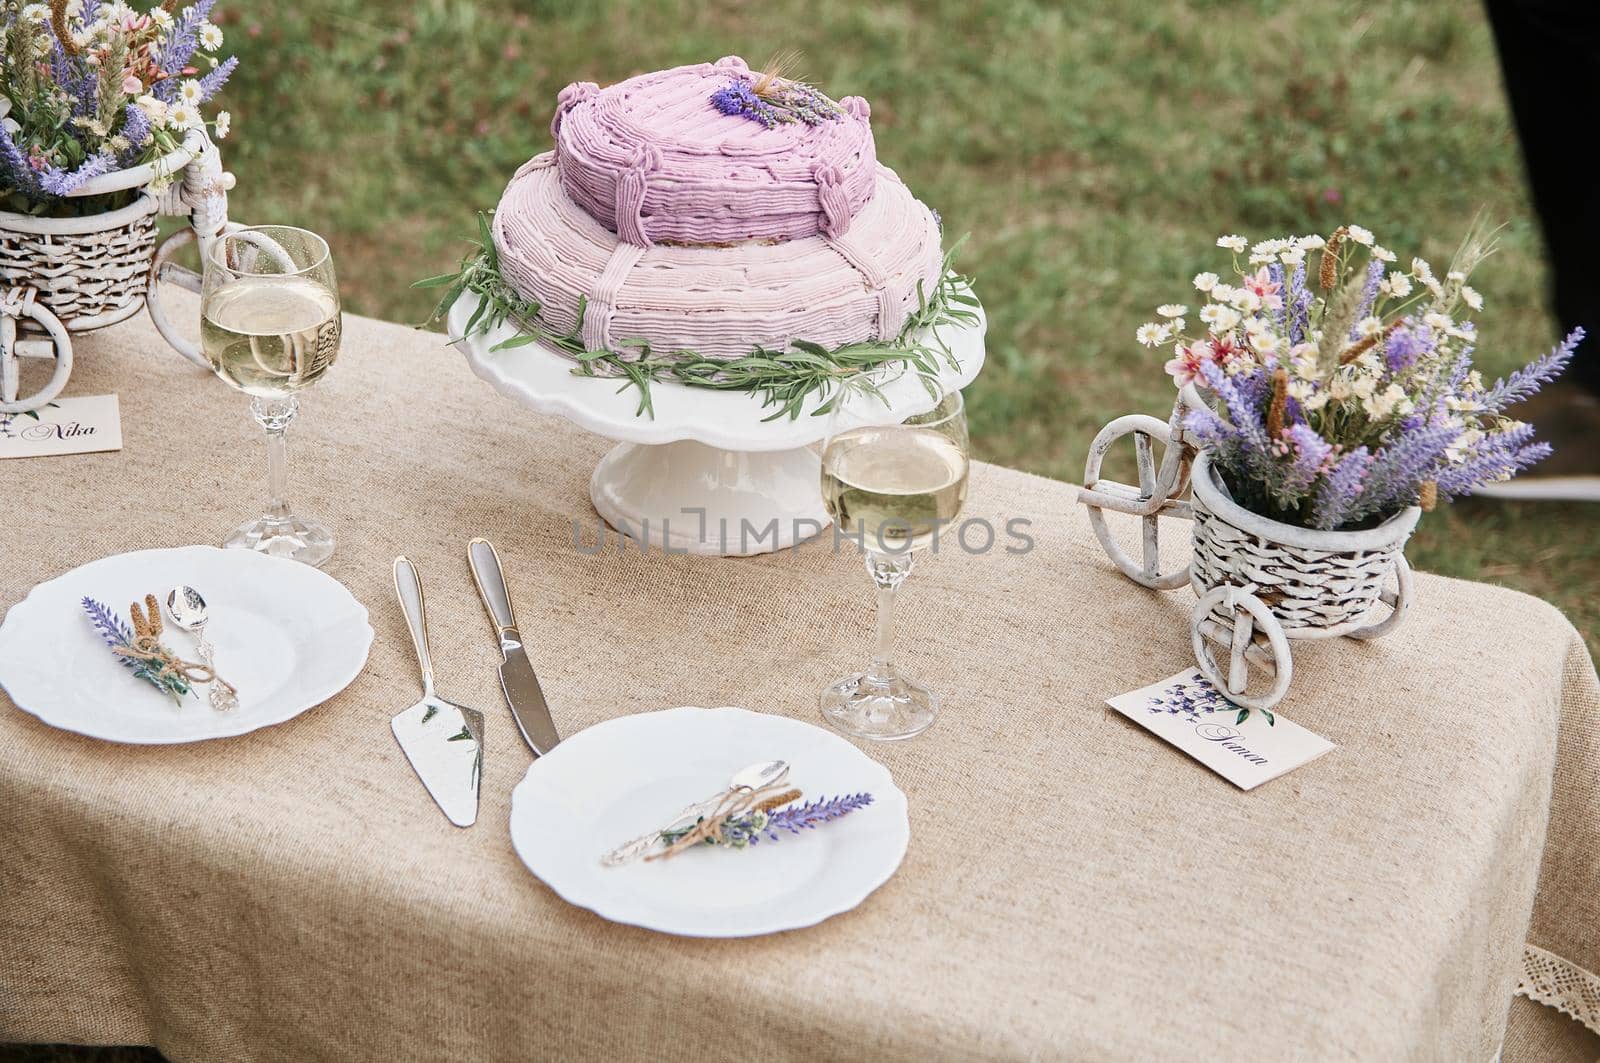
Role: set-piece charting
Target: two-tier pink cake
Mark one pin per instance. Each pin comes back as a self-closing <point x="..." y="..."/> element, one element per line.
<point x="673" y="218"/>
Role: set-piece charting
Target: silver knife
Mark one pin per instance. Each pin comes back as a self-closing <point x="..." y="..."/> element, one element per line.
<point x="517" y="681"/>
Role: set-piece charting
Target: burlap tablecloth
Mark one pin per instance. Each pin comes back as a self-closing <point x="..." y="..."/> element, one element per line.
<point x="1074" y="888"/>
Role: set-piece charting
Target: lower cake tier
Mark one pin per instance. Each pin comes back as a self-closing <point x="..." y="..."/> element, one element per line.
<point x="715" y="301"/>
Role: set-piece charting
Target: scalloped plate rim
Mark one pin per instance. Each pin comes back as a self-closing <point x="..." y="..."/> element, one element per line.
<point x="42" y="715"/>
<point x="891" y="797"/>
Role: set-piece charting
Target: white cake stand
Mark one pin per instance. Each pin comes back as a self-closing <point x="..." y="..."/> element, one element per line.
<point x="706" y="474"/>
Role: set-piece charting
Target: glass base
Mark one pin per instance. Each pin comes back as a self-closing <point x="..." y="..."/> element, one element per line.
<point x="293" y="537"/>
<point x="881" y="709"/>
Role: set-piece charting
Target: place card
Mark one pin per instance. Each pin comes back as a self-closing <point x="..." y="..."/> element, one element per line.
<point x="1190" y="713"/>
<point x="80" y="425"/>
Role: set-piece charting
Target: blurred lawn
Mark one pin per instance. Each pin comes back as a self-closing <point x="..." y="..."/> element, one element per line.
<point x="1093" y="149"/>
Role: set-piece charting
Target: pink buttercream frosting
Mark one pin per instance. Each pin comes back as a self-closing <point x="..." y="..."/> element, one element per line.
<point x="653" y="160"/>
<point x="719" y="302"/>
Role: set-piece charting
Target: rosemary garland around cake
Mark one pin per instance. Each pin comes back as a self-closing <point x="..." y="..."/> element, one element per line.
<point x="715" y="227"/>
<point x="785" y="379"/>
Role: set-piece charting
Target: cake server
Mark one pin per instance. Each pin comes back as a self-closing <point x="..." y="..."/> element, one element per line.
<point x="442" y="740"/>
<point x="517" y="680"/>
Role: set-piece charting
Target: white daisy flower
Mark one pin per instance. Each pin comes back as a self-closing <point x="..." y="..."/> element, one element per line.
<point x="1382" y="254"/>
<point x="161" y="17"/>
<point x="1152" y="335"/>
<point x="224" y="123"/>
<point x="183" y="116"/>
<point x="36" y="13"/>
<point x="1399" y="284"/>
<point x="1359" y="235"/>
<point x="1471" y="297"/>
<point x="1204" y="282"/>
<point x="1455" y="276"/>
<point x="1222" y="319"/>
<point x="1310" y="243"/>
<point x="1176" y="325"/>
<point x="1172" y="309"/>
<point x="1246" y="300"/>
<point x="1265" y="343"/>
<point x="210" y="37"/>
<point x="189" y="91"/>
<point x="1222" y="293"/>
<point x="1433" y="285"/>
<point x="1368" y="326"/>
<point x="1235" y="244"/>
<point x="1421" y="269"/>
<point x="1292" y="257"/>
<point x="1436" y="320"/>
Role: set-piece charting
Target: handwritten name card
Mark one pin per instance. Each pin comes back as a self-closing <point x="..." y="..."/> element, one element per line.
<point x="80" y="425"/>
<point x="1190" y="713"/>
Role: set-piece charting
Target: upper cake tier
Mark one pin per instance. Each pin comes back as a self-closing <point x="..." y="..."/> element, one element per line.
<point x="654" y="159"/>
<point x="716" y="302"/>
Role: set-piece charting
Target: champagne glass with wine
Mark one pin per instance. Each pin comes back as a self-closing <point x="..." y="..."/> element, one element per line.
<point x="893" y="486"/>
<point x="270" y="327"/>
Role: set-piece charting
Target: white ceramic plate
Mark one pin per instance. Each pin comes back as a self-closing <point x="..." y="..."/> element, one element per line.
<point x="621" y="778"/>
<point x="288" y="636"/>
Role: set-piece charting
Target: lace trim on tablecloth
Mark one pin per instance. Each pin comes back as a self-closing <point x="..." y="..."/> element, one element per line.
<point x="1561" y="984"/>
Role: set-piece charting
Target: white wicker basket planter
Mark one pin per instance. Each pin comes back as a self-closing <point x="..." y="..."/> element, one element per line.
<point x="60" y="276"/>
<point x="1260" y="583"/>
<point x="1318" y="584"/>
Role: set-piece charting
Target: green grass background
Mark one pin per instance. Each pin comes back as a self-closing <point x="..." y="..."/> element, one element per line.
<point x="1093" y="149"/>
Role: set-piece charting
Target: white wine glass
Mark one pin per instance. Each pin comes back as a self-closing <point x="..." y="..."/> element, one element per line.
<point x="893" y="486"/>
<point x="270" y="327"/>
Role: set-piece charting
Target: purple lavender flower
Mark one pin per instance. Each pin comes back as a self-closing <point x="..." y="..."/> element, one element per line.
<point x="110" y="626"/>
<point x="808" y="816"/>
<point x="136" y="128"/>
<point x="1299" y="304"/>
<point x="59" y="182"/>
<point x="1369" y="294"/>
<point x="1311" y="454"/>
<point x="1496" y="457"/>
<point x="1340" y="490"/>
<point x="1397" y="470"/>
<point x="184" y="37"/>
<point x="1245" y="416"/>
<point x="14" y="164"/>
<point x="1525" y="382"/>
<point x="1406" y="345"/>
<point x="1280" y="315"/>
<point x="212" y="83"/>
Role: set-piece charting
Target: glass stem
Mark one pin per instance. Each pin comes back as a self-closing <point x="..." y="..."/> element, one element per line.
<point x="888" y="571"/>
<point x="275" y="416"/>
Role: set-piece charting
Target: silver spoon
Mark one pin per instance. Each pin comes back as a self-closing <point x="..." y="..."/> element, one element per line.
<point x="189" y="612"/>
<point x="753" y="777"/>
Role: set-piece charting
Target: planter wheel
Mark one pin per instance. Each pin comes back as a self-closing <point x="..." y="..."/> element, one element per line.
<point x="16" y="304"/>
<point x="1149" y="501"/>
<point x="1398" y="600"/>
<point x="1250" y="615"/>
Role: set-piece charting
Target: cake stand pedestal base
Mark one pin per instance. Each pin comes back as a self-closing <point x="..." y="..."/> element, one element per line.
<point x="693" y="498"/>
<point x="705" y="471"/>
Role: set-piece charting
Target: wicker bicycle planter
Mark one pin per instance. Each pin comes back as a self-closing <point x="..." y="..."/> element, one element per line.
<point x="62" y="276"/>
<point x="1261" y="583"/>
<point x="1318" y="584"/>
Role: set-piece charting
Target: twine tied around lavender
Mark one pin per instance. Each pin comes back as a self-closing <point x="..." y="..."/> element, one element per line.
<point x="743" y="820"/>
<point x="141" y="649"/>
